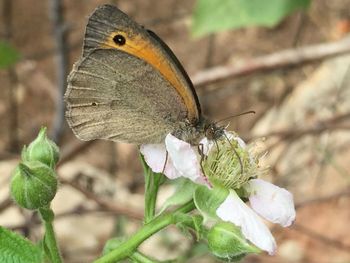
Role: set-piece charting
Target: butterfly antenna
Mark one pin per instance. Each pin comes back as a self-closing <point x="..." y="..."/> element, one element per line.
<point x="237" y="115"/>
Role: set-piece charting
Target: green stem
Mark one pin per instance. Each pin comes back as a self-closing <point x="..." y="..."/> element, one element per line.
<point x="141" y="258"/>
<point x="127" y="248"/>
<point x="152" y="183"/>
<point x="50" y="237"/>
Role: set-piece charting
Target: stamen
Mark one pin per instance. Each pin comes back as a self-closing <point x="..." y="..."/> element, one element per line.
<point x="229" y="164"/>
<point x="234" y="150"/>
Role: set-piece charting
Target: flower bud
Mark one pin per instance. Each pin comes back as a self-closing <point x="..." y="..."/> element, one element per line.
<point x="33" y="185"/>
<point x="42" y="149"/>
<point x="226" y="242"/>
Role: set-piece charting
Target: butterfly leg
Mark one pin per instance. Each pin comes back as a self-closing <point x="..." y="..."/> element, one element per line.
<point x="236" y="153"/>
<point x="200" y="148"/>
<point x="166" y="160"/>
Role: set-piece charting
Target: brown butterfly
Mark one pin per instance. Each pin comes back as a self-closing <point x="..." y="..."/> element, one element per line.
<point x="128" y="86"/>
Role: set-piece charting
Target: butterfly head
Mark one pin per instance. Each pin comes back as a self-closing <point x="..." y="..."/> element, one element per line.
<point x="213" y="131"/>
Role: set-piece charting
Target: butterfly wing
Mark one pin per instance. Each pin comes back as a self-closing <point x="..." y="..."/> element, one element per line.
<point x="108" y="21"/>
<point x="116" y="96"/>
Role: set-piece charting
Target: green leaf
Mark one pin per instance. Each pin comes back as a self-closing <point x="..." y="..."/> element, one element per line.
<point x="183" y="193"/>
<point x="195" y="222"/>
<point x="8" y="55"/>
<point x="16" y="249"/>
<point x="218" y="15"/>
<point x="201" y="231"/>
<point x="208" y="200"/>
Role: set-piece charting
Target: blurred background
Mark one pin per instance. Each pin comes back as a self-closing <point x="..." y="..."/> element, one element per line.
<point x="294" y="73"/>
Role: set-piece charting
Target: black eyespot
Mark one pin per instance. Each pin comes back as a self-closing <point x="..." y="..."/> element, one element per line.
<point x="119" y="40"/>
<point x="94" y="104"/>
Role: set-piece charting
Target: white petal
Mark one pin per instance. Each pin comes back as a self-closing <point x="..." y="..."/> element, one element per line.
<point x="271" y="202"/>
<point x="185" y="159"/>
<point x="234" y="210"/>
<point x="231" y="136"/>
<point x="240" y="142"/>
<point x="155" y="155"/>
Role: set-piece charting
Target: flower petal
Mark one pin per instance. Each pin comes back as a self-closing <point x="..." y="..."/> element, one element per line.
<point x="185" y="159"/>
<point x="271" y="202"/>
<point x="155" y="155"/>
<point x="241" y="143"/>
<point x="207" y="144"/>
<point x="234" y="210"/>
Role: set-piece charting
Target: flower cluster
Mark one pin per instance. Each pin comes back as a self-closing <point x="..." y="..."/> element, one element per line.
<point x="227" y="164"/>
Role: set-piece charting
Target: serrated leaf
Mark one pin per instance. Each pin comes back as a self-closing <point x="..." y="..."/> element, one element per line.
<point x="183" y="193"/>
<point x="8" y="55"/>
<point x="16" y="249"/>
<point x="208" y="200"/>
<point x="218" y="15"/>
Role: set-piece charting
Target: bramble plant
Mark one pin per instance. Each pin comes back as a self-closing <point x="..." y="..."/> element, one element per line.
<point x="208" y="200"/>
<point x="33" y="186"/>
<point x="212" y="188"/>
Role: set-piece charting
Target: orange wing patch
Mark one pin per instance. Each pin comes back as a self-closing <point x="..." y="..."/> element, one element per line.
<point x="144" y="49"/>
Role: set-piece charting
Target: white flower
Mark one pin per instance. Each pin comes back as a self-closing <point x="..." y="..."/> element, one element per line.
<point x="183" y="159"/>
<point x="269" y="201"/>
<point x="234" y="210"/>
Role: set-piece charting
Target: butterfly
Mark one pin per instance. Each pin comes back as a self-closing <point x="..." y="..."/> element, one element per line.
<point x="129" y="86"/>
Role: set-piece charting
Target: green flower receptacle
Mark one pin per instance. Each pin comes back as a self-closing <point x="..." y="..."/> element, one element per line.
<point x="226" y="242"/>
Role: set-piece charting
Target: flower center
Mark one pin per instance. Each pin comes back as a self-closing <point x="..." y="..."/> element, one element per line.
<point x="229" y="164"/>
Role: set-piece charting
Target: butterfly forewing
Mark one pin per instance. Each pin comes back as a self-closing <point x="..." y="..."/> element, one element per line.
<point x="107" y="22"/>
<point x="113" y="95"/>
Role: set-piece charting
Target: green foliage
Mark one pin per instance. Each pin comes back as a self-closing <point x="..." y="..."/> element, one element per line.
<point x="183" y="193"/>
<point x="226" y="241"/>
<point x="218" y="15"/>
<point x="8" y="55"/>
<point x="208" y="200"/>
<point x="186" y="222"/>
<point x="16" y="249"/>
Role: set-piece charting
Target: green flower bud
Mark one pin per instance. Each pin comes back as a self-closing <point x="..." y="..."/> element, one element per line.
<point x="33" y="185"/>
<point x="42" y="149"/>
<point x="226" y="242"/>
